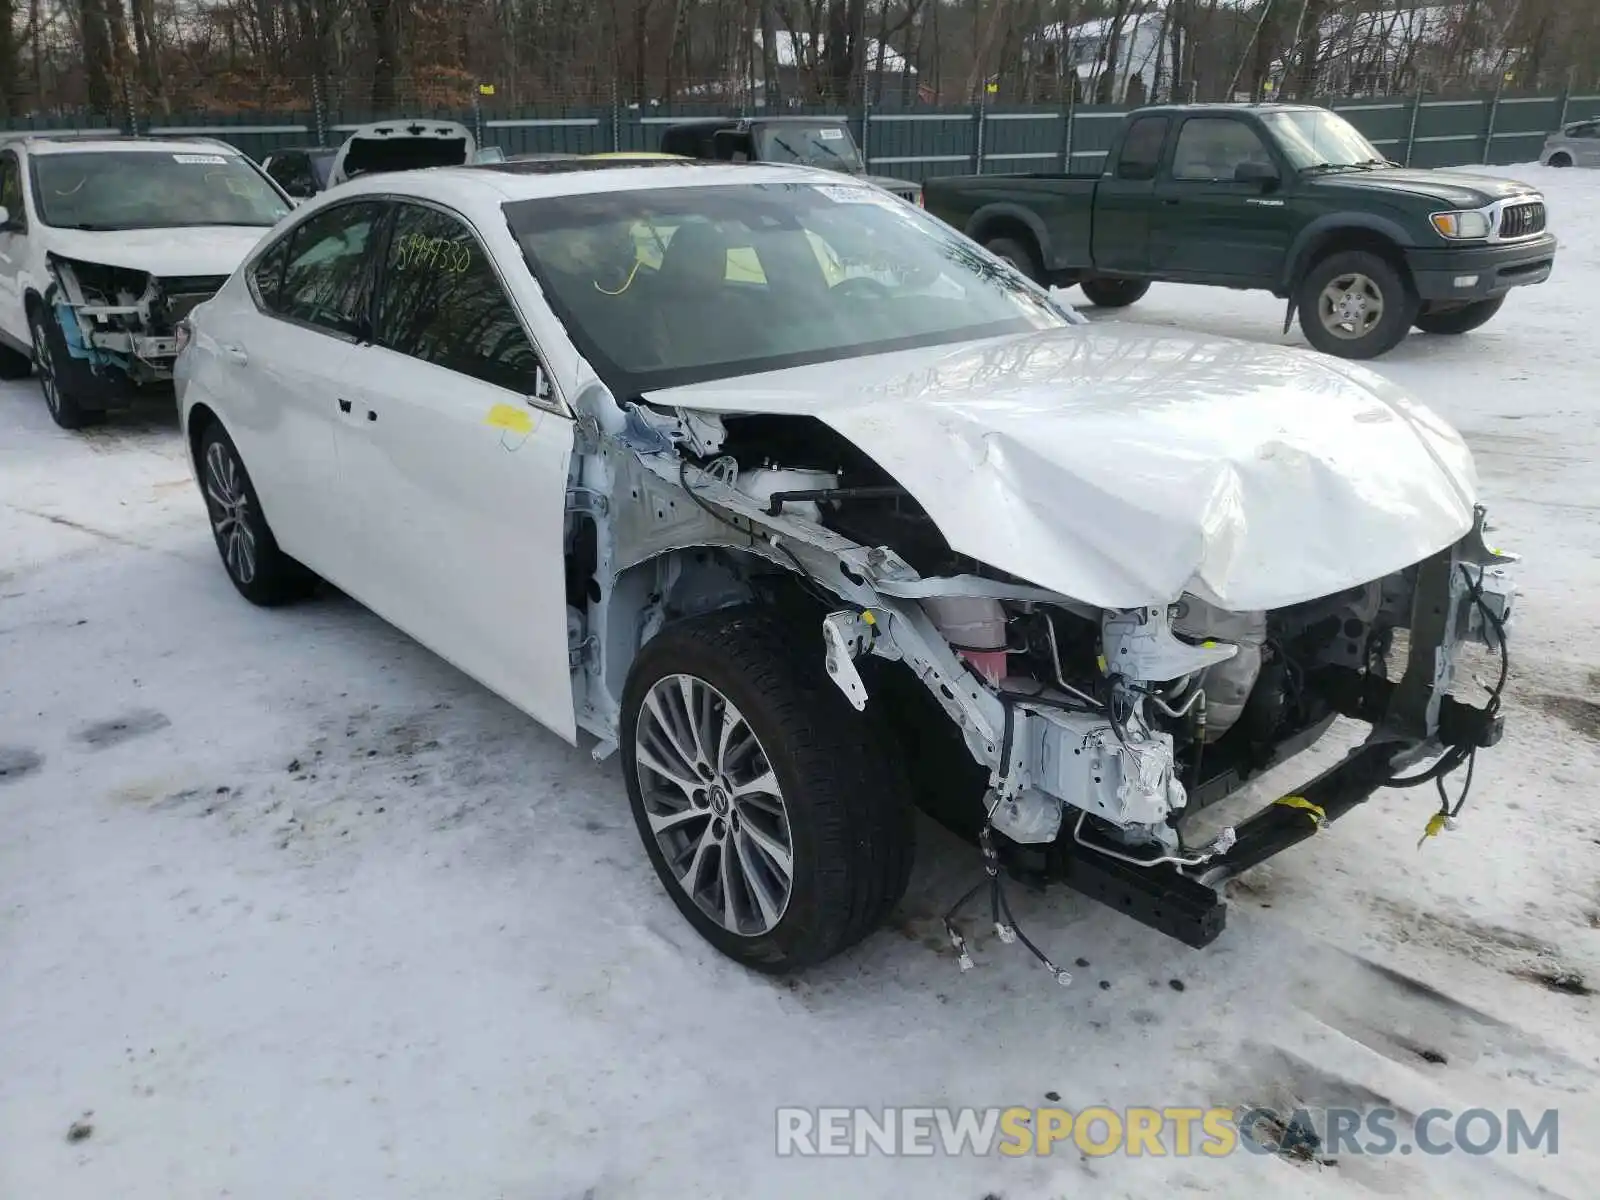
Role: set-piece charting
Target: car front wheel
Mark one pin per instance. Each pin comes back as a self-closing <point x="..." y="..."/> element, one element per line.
<point x="1463" y="318"/>
<point x="772" y="812"/>
<point x="1355" y="304"/>
<point x="61" y="378"/>
<point x="262" y="573"/>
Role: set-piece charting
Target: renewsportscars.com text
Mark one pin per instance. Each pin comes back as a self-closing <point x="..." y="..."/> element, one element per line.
<point x="1160" y="1132"/>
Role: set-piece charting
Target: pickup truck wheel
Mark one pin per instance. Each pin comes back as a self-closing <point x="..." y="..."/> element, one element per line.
<point x="771" y="810"/>
<point x="1560" y="160"/>
<point x="1018" y="254"/>
<point x="1354" y="304"/>
<point x="1114" y="293"/>
<point x="14" y="364"/>
<point x="260" y="572"/>
<point x="61" y="377"/>
<point x="1463" y="318"/>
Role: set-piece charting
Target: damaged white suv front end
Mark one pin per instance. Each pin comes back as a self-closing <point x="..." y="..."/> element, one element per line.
<point x="111" y="244"/>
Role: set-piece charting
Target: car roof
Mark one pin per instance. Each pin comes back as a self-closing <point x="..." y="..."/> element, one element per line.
<point x="1226" y="107"/>
<point x="500" y="183"/>
<point x="46" y="144"/>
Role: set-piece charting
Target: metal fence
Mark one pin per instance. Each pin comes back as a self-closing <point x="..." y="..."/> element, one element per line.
<point x="914" y="143"/>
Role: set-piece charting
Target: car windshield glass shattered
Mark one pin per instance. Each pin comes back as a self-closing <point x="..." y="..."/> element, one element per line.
<point x="821" y="145"/>
<point x="151" y="189"/>
<point x="661" y="287"/>
<point x="1314" y="138"/>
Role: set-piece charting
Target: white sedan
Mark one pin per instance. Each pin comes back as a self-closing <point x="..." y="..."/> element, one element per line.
<point x="812" y="507"/>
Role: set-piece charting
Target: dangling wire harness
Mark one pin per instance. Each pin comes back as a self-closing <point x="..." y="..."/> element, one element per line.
<point x="1456" y="756"/>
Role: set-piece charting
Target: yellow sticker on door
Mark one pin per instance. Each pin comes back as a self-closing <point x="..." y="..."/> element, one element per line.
<point x="510" y="418"/>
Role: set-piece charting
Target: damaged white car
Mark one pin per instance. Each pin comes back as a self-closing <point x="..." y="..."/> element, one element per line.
<point x="105" y="245"/>
<point x="817" y="511"/>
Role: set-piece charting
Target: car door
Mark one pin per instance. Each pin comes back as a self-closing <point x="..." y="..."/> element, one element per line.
<point x="1213" y="226"/>
<point x="13" y="251"/>
<point x="270" y="357"/>
<point x="458" y="451"/>
<point x="1124" y="200"/>
<point x="1585" y="143"/>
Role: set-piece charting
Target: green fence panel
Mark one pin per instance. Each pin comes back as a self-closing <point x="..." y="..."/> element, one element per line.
<point x="1021" y="140"/>
<point x="920" y="143"/>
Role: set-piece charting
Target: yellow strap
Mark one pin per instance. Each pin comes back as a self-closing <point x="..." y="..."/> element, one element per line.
<point x="1318" y="817"/>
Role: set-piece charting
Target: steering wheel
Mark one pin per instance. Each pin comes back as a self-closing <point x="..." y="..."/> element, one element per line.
<point x="862" y="287"/>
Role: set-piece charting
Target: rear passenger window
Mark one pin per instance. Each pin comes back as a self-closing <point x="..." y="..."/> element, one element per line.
<point x="325" y="274"/>
<point x="1141" y="148"/>
<point x="442" y="302"/>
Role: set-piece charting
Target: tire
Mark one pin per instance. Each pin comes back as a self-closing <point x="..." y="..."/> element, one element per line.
<point x="1461" y="319"/>
<point x="1560" y="160"/>
<point x="1381" y="305"/>
<point x="1114" y="293"/>
<point x="838" y="806"/>
<point x="1019" y="254"/>
<point x="65" y="382"/>
<point x="14" y="364"/>
<point x="261" y="572"/>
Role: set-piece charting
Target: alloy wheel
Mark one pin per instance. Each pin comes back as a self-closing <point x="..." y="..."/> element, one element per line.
<point x="45" y="365"/>
<point x="714" y="805"/>
<point x="1350" y="307"/>
<point x="229" y="505"/>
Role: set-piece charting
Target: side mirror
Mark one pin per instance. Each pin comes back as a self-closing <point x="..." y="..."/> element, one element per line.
<point x="7" y="225"/>
<point x="1263" y="175"/>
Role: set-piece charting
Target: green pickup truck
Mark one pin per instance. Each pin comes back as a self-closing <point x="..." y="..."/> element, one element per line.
<point x="1285" y="198"/>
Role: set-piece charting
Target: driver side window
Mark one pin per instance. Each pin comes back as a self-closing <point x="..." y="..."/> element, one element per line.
<point x="1212" y="148"/>
<point x="324" y="270"/>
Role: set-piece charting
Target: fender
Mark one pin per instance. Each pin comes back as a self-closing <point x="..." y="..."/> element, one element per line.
<point x="1002" y="212"/>
<point x="1331" y="225"/>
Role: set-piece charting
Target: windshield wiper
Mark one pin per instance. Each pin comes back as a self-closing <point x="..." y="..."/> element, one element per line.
<point x="1326" y="166"/>
<point x="92" y="227"/>
<point x="793" y="153"/>
<point x="821" y="146"/>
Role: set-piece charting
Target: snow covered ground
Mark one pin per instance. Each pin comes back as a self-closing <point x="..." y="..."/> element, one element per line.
<point x="289" y="908"/>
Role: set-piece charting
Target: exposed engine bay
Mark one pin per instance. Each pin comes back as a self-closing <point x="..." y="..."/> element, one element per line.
<point x="1072" y="740"/>
<point x="121" y="321"/>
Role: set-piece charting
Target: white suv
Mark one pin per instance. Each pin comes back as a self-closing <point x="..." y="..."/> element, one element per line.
<point x="105" y="245"/>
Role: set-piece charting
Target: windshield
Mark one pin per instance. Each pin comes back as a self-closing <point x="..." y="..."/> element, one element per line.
<point x="150" y="189"/>
<point x="824" y="144"/>
<point x="660" y="287"/>
<point x="1318" y="138"/>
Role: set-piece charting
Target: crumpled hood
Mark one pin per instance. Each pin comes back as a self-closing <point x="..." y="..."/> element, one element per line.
<point x="202" y="250"/>
<point x="1125" y="466"/>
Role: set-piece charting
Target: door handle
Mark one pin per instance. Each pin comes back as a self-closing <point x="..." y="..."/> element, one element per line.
<point x="344" y="406"/>
<point x="236" y="354"/>
<point x="1172" y="200"/>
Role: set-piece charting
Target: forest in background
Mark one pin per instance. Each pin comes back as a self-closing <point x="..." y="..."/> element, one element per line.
<point x="113" y="57"/>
